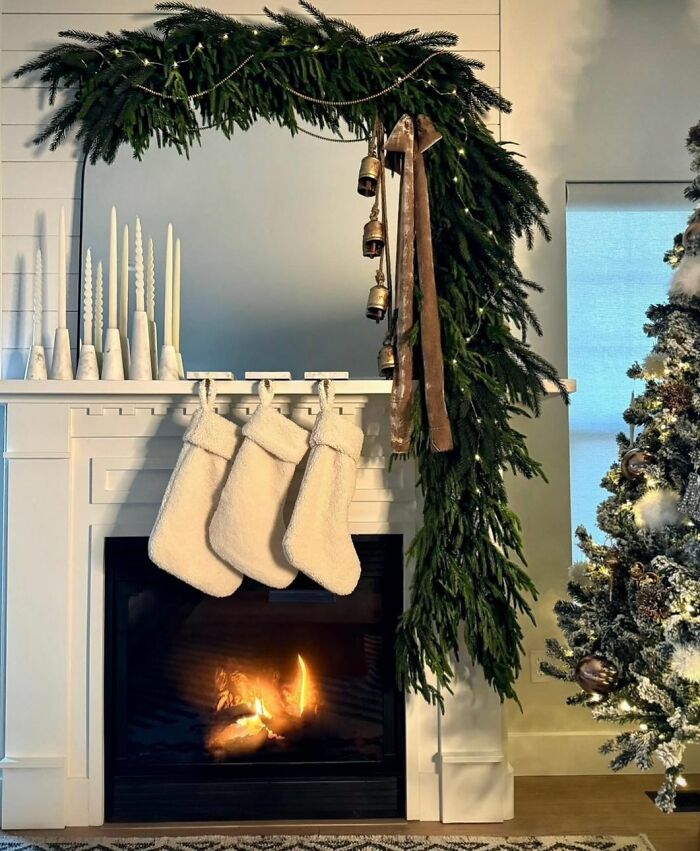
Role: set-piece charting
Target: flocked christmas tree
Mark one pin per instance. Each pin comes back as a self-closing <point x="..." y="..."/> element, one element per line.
<point x="632" y="620"/>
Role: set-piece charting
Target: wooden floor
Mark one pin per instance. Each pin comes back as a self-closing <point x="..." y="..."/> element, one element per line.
<point x="543" y="806"/>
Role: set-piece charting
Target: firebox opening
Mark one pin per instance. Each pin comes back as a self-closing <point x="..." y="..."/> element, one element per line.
<point x="265" y="704"/>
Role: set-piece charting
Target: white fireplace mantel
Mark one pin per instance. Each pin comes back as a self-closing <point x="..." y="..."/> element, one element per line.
<point x="88" y="460"/>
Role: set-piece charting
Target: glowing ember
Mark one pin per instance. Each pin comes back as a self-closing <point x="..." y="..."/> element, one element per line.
<point x="255" y="708"/>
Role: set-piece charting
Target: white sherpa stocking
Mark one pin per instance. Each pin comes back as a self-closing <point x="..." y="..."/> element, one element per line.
<point x="318" y="540"/>
<point x="248" y="526"/>
<point x="179" y="542"/>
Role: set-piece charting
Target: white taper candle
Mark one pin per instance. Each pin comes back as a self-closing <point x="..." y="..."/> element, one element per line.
<point x="168" y="306"/>
<point x="38" y="300"/>
<point x="99" y="308"/>
<point x="113" y="281"/>
<point x="151" y="283"/>
<point x="87" y="300"/>
<point x="139" y="279"/>
<point x="62" y="269"/>
<point x="124" y="288"/>
<point x="177" y="282"/>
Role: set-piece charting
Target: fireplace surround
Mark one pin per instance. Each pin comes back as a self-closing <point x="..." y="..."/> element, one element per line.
<point x="87" y="463"/>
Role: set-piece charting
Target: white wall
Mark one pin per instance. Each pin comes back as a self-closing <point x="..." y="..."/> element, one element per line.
<point x="603" y="90"/>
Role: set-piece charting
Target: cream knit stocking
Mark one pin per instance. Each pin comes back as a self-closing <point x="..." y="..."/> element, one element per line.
<point x="248" y="527"/>
<point x="318" y="541"/>
<point x="179" y="542"/>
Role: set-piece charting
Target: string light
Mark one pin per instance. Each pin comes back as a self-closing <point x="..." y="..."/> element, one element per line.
<point x="624" y="706"/>
<point x="643" y="728"/>
<point x="681" y="781"/>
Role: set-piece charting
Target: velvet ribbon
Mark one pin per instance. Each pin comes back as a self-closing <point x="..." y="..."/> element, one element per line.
<point x="405" y="147"/>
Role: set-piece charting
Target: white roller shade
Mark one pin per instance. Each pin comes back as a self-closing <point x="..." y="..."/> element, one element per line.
<point x="626" y="196"/>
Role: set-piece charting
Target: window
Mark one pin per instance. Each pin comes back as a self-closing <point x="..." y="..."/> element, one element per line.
<point x="616" y="238"/>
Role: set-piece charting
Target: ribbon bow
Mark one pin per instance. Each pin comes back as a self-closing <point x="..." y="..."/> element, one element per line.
<point x="404" y="148"/>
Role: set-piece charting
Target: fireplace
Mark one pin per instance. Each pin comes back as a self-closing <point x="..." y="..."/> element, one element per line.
<point x="264" y="705"/>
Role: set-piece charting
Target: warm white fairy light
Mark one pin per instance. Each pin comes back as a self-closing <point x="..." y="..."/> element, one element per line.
<point x="624" y="706"/>
<point x="644" y="728"/>
<point x="681" y="781"/>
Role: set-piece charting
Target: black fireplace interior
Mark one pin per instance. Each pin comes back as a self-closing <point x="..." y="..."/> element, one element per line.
<point x="263" y="705"/>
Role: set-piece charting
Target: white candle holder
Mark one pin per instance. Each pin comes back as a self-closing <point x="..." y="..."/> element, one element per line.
<point x="168" y="369"/>
<point x="36" y="364"/>
<point x="88" y="368"/>
<point x="112" y="356"/>
<point x="61" y="364"/>
<point x="140" y="368"/>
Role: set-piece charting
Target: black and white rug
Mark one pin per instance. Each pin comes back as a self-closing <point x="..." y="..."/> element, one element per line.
<point x="333" y="843"/>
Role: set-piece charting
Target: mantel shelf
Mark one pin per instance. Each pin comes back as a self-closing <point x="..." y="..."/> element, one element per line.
<point x="346" y="387"/>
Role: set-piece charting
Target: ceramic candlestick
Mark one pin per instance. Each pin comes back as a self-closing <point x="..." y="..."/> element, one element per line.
<point x="61" y="364"/>
<point x="140" y="363"/>
<point x="112" y="356"/>
<point x="168" y="369"/>
<point x="88" y="369"/>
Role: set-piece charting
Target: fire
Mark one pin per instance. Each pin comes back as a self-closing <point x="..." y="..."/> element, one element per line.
<point x="254" y="709"/>
<point x="304" y="684"/>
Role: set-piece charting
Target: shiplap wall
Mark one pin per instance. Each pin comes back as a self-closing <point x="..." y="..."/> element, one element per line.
<point x="35" y="183"/>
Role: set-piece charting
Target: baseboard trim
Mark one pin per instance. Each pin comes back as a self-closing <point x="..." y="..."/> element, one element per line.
<point x="569" y="753"/>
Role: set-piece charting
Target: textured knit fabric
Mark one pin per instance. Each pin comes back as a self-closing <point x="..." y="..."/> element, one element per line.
<point x="318" y="541"/>
<point x="248" y="526"/>
<point x="179" y="542"/>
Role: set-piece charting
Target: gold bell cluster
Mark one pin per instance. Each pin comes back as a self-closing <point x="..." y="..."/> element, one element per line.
<point x="370" y="185"/>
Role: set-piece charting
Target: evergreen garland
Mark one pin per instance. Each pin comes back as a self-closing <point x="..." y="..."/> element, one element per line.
<point x="469" y="586"/>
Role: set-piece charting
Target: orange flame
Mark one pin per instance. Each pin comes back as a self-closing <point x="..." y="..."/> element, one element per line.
<point x="304" y="685"/>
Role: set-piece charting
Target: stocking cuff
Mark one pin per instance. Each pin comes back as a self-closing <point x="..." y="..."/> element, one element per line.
<point x="339" y="433"/>
<point x="277" y="435"/>
<point x="213" y="433"/>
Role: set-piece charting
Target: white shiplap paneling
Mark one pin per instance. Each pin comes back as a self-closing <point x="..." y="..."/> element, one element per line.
<point x="37" y="182"/>
<point x="39" y="32"/>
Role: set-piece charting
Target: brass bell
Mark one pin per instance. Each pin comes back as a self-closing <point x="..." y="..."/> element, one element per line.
<point x="370" y="169"/>
<point x="373" y="238"/>
<point x="378" y="298"/>
<point x="386" y="360"/>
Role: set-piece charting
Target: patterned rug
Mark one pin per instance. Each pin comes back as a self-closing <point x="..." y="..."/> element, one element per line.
<point x="335" y="843"/>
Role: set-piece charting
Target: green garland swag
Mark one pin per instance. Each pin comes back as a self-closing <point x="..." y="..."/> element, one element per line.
<point x="469" y="585"/>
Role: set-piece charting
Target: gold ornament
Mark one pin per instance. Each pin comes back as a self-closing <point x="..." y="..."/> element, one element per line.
<point x="386" y="360"/>
<point x="379" y="298"/>
<point x="596" y="675"/>
<point x="634" y="463"/>
<point x="370" y="171"/>
<point x="373" y="239"/>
